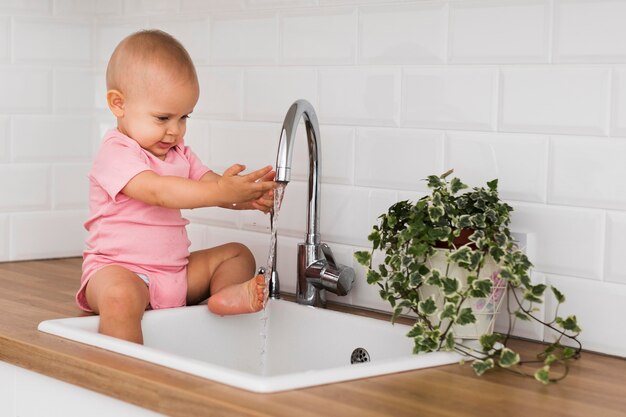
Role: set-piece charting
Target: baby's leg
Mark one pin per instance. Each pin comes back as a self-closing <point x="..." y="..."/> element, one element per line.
<point x="225" y="274"/>
<point x="120" y="297"/>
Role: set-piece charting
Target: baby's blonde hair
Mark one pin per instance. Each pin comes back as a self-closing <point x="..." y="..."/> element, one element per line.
<point x="143" y="51"/>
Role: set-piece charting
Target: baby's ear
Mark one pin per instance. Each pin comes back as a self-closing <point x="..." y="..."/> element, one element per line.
<point x="116" y="101"/>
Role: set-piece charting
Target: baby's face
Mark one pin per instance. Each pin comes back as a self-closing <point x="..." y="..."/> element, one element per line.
<point x="156" y="116"/>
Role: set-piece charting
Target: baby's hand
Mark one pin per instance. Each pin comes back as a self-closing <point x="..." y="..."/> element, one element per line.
<point x="253" y="189"/>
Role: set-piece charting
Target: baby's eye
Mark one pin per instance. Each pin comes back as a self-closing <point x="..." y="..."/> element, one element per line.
<point x="185" y="116"/>
<point x="163" y="118"/>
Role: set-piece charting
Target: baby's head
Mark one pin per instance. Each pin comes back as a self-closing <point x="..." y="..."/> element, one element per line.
<point x="152" y="87"/>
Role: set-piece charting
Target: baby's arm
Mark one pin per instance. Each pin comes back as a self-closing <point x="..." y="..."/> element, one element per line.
<point x="265" y="203"/>
<point x="177" y="192"/>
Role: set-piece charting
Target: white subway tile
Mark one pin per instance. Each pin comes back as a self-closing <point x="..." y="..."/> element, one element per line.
<point x="287" y="262"/>
<point x="256" y="220"/>
<point x="397" y="158"/>
<point x="150" y="6"/>
<point x="599" y="309"/>
<point x="251" y="144"/>
<point x="4" y="256"/>
<point x="257" y="243"/>
<point x="4" y="138"/>
<point x="197" y="137"/>
<point x="588" y="172"/>
<point x="615" y="261"/>
<point x="99" y="92"/>
<point x="555" y="100"/>
<point x="214" y="216"/>
<point x="29" y="191"/>
<point x="562" y="240"/>
<point x="303" y="42"/>
<point x="403" y="34"/>
<point x="342" y="218"/>
<point x="197" y="234"/>
<point x="70" y="186"/>
<point x="47" y="234"/>
<point x="192" y="32"/>
<point x="24" y="90"/>
<point x="250" y="38"/>
<point x="109" y="32"/>
<point x="519" y="162"/>
<point x="31" y="6"/>
<point x="42" y="138"/>
<point x="86" y="7"/>
<point x="221" y="92"/>
<point x="74" y="90"/>
<point x="5" y="27"/>
<point x="268" y="93"/>
<point x="618" y="105"/>
<point x="337" y="164"/>
<point x="211" y="5"/>
<point x="455" y="98"/>
<point x="266" y="4"/>
<point x="44" y="40"/>
<point x="359" y="96"/>
<point x="589" y="31"/>
<point x="496" y="32"/>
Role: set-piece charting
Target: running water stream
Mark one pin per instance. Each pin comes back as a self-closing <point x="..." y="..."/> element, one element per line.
<point x="279" y="193"/>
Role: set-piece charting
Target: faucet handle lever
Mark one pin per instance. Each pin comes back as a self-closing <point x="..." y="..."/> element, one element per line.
<point x="328" y="254"/>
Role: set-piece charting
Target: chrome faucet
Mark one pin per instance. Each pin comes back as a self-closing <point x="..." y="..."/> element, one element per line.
<point x="317" y="269"/>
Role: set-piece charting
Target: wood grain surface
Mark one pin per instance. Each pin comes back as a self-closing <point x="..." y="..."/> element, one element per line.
<point x="33" y="291"/>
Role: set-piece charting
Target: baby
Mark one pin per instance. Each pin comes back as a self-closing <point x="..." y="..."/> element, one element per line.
<point x="137" y="253"/>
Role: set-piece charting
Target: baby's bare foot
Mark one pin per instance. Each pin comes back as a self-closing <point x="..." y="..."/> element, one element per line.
<point x="247" y="297"/>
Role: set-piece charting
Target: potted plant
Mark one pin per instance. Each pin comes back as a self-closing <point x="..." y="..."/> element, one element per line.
<point x="449" y="258"/>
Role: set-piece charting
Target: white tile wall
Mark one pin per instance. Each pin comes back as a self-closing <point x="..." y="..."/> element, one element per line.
<point x="380" y="163"/>
<point x="497" y="32"/>
<point x="518" y="161"/>
<point x="580" y="167"/>
<point x="588" y="31"/>
<point x="5" y="30"/>
<point x="251" y="38"/>
<point x="449" y="97"/>
<point x="302" y="41"/>
<point x="555" y="100"/>
<point x="615" y="261"/>
<point x="44" y="40"/>
<point x="402" y="90"/>
<point x="403" y="33"/>
<point x="359" y="95"/>
<point x="42" y="138"/>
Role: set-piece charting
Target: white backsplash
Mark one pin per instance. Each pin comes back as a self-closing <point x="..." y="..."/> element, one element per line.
<point x="529" y="91"/>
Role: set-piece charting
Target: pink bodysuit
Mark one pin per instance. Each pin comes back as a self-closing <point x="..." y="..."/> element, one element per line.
<point x="145" y="239"/>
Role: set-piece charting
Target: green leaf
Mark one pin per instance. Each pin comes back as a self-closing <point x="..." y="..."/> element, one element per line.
<point x="363" y="257"/>
<point x="480" y="367"/>
<point x="522" y="316"/>
<point x="508" y="358"/>
<point x="416" y="331"/>
<point x="448" y="312"/>
<point x="487" y="341"/>
<point x="450" y="285"/>
<point x="374" y="237"/>
<point x="569" y="353"/>
<point x="543" y="375"/>
<point x="456" y="185"/>
<point x="427" y="306"/>
<point x="465" y="317"/>
<point x="538" y="289"/>
<point x="449" y="345"/>
<point x="550" y="359"/>
<point x="373" y="277"/>
<point x="569" y="323"/>
<point x="560" y="298"/>
<point x="481" y="288"/>
<point x="493" y="185"/>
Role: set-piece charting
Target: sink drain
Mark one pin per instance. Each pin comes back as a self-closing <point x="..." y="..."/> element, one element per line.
<point x="359" y="355"/>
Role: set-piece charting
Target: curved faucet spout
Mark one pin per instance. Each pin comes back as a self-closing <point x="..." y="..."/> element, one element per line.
<point x="302" y="109"/>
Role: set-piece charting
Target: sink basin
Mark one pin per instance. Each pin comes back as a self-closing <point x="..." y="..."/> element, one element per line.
<point x="288" y="346"/>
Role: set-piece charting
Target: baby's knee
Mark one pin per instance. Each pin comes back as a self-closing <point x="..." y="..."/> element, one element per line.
<point x="239" y="249"/>
<point x="122" y="300"/>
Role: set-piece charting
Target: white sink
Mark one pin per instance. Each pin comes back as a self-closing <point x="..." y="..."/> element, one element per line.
<point x="305" y="346"/>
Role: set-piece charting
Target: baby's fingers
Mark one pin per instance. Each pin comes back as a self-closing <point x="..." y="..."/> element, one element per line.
<point x="259" y="174"/>
<point x="234" y="170"/>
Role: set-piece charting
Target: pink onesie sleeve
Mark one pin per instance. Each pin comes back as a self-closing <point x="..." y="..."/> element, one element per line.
<point x="117" y="163"/>
<point x="197" y="168"/>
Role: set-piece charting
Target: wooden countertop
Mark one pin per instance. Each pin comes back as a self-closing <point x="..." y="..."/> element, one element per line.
<point x="33" y="291"/>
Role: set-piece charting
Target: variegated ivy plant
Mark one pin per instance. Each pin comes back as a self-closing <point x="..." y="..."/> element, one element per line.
<point x="408" y="235"/>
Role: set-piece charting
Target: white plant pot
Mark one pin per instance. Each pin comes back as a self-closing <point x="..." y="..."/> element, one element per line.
<point x="485" y="309"/>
